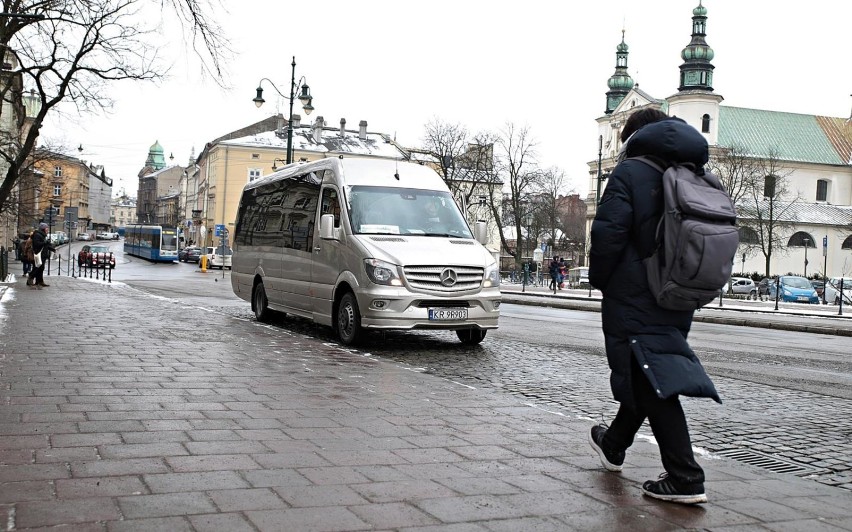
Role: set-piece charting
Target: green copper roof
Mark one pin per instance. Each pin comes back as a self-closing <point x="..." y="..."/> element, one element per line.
<point x="793" y="137"/>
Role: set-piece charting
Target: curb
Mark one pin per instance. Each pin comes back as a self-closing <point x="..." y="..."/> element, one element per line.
<point x="593" y="305"/>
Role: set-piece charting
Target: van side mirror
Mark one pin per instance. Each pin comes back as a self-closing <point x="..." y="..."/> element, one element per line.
<point x="480" y="232"/>
<point x="327" y="231"/>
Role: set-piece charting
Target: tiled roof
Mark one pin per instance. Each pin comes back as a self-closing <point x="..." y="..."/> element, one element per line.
<point x="803" y="213"/>
<point x="791" y="136"/>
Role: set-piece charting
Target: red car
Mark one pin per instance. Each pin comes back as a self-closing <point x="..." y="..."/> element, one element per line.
<point x="96" y="257"/>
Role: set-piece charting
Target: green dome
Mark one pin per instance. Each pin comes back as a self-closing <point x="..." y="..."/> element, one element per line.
<point x="623" y="81"/>
<point x="622" y="47"/>
<point x="698" y="52"/>
<point x="155" y="148"/>
<point x="700" y="11"/>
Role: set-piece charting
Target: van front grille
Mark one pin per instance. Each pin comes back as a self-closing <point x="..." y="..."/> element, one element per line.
<point x="444" y="279"/>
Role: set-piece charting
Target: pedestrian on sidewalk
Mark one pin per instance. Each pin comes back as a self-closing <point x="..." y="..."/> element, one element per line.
<point x="634" y="326"/>
<point x="43" y="248"/>
<point x="16" y="243"/>
<point x="27" y="256"/>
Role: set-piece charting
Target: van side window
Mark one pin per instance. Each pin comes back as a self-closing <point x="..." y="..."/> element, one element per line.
<point x="279" y="214"/>
<point x="331" y="204"/>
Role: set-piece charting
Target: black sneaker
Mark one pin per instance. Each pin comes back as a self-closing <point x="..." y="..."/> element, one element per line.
<point x="612" y="462"/>
<point x="666" y="490"/>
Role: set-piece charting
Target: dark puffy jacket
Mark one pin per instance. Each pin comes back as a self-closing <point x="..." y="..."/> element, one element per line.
<point x="623" y="234"/>
<point x="41" y="244"/>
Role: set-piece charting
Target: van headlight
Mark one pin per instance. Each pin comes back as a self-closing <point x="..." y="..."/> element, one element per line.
<point x="381" y="272"/>
<point x="492" y="276"/>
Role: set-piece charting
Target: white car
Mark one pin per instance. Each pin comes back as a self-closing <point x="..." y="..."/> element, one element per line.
<point x="84" y="236"/>
<point x="832" y="290"/>
<point x="215" y="258"/>
<point x="740" y="285"/>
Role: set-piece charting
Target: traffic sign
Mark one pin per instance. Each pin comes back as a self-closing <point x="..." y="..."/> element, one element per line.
<point x="219" y="229"/>
<point x="825" y="245"/>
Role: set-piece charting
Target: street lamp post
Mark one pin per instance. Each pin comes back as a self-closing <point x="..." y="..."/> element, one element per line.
<point x="304" y="97"/>
<point x="806" y="240"/>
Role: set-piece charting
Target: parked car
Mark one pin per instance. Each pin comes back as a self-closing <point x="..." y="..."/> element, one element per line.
<point x="101" y="256"/>
<point x="189" y="254"/>
<point x="740" y="285"/>
<point x="107" y="236"/>
<point x="819" y="286"/>
<point x="95" y="256"/>
<point x="84" y="236"/>
<point x="216" y="259"/>
<point x="761" y="289"/>
<point x="832" y="290"/>
<point x="794" y="289"/>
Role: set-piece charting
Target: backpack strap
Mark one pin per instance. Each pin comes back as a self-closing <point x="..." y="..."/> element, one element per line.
<point x="653" y="163"/>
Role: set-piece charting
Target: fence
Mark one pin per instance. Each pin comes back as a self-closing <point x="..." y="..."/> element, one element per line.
<point x="4" y="263"/>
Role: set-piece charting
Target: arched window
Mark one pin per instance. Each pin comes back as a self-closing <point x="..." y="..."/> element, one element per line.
<point x="748" y="236"/>
<point x="801" y="239"/>
<point x="822" y="190"/>
<point x="705" y="124"/>
<point x="847" y="244"/>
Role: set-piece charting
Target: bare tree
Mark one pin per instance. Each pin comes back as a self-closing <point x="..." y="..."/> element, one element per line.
<point x="70" y="51"/>
<point x="552" y="187"/>
<point x="465" y="162"/>
<point x="515" y="158"/>
<point x="572" y="222"/>
<point x="765" y="211"/>
<point x="738" y="170"/>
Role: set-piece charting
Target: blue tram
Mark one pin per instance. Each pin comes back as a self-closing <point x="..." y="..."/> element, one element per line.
<point x="153" y="242"/>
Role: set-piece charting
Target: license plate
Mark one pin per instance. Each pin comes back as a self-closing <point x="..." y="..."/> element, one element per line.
<point x="447" y="314"/>
<point x="804" y="298"/>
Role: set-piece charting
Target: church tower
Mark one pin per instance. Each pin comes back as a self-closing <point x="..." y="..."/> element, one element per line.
<point x="696" y="72"/>
<point x="695" y="100"/>
<point x="156" y="159"/>
<point x="620" y="82"/>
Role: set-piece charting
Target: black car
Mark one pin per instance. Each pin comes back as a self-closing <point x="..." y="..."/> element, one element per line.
<point x="189" y="254"/>
<point x="761" y="290"/>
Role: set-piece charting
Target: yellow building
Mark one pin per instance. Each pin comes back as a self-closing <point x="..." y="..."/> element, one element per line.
<point x="60" y="182"/>
<point x="228" y="163"/>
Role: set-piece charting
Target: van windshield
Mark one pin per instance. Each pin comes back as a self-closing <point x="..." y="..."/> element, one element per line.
<point x="405" y="211"/>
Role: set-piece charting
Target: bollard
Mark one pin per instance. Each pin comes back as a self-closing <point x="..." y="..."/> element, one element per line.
<point x="840" y="306"/>
<point x="777" y="291"/>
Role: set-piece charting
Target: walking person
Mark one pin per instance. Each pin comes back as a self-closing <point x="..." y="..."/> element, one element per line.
<point x="42" y="248"/>
<point x="635" y="327"/>
<point x="27" y="256"/>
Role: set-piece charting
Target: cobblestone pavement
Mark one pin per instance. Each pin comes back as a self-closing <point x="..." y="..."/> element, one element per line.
<point x="797" y="432"/>
<point x="133" y="420"/>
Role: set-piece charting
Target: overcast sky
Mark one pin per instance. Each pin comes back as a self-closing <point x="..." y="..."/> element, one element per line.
<point x="539" y="63"/>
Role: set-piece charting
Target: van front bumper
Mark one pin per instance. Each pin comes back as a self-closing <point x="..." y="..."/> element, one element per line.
<point x="384" y="310"/>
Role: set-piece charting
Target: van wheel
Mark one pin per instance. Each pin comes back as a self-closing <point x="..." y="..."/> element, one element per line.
<point x="471" y="336"/>
<point x="259" y="303"/>
<point x="349" y="320"/>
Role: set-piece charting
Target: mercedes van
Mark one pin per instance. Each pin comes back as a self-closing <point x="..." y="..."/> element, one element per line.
<point x="361" y="244"/>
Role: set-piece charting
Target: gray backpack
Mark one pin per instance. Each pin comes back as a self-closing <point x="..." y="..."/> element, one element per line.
<point x="697" y="239"/>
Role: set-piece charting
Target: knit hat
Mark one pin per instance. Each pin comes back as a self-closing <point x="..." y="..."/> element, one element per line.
<point x="42" y="225"/>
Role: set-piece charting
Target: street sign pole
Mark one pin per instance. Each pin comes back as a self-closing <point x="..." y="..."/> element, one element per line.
<point x="824" y="265"/>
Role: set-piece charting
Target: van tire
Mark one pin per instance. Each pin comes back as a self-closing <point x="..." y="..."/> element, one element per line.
<point x="471" y="336"/>
<point x="348" y="323"/>
<point x="260" y="304"/>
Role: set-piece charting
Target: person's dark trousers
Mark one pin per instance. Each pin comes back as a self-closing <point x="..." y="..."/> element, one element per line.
<point x="37" y="275"/>
<point x="668" y="423"/>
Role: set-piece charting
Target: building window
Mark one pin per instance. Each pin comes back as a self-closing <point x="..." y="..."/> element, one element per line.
<point x="822" y="190"/>
<point x="255" y="156"/>
<point x="254" y="173"/>
<point x="57" y="171"/>
<point x="769" y="186"/>
<point x="801" y="239"/>
<point x="748" y="236"/>
<point x="57" y="189"/>
<point x="847" y="244"/>
<point x="705" y="124"/>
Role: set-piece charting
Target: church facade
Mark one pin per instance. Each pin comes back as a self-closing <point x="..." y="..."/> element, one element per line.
<point x="790" y="174"/>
